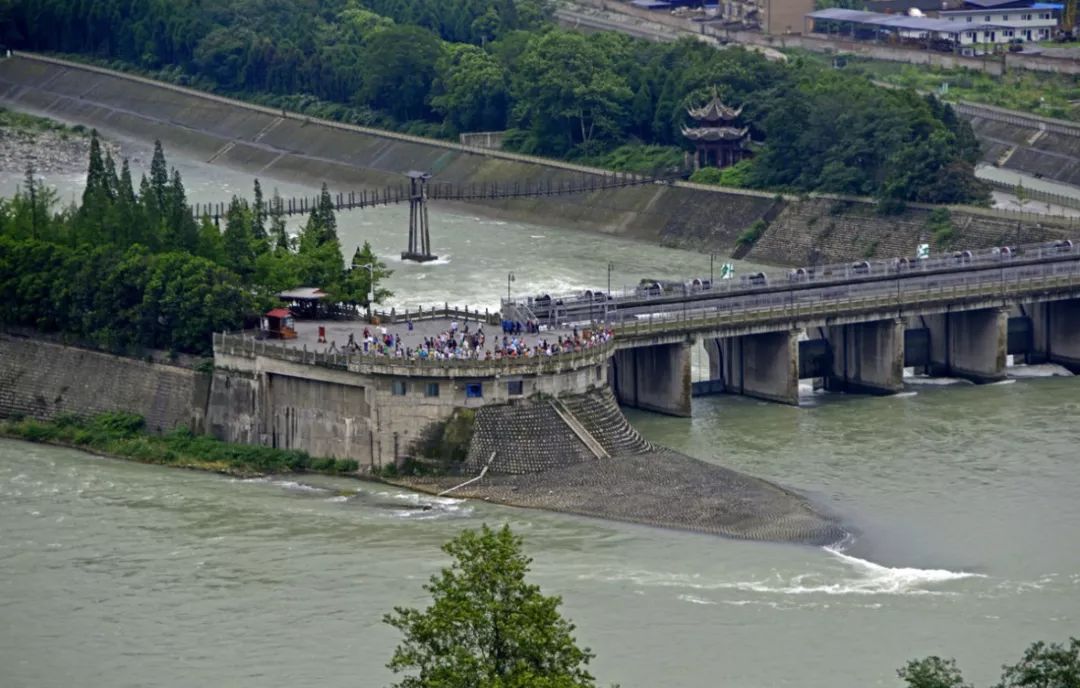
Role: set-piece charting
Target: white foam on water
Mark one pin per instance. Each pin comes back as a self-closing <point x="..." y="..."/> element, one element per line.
<point x="538" y="236"/>
<point x="904" y="395"/>
<point x="338" y="499"/>
<point x="1038" y="370"/>
<point x="1004" y="382"/>
<point x="694" y="600"/>
<point x="927" y="380"/>
<point x="877" y="578"/>
<point x="868" y="579"/>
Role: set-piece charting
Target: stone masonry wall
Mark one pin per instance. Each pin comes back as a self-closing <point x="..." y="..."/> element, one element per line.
<point x="41" y="380"/>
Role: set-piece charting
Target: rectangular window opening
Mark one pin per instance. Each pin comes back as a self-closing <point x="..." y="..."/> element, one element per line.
<point x="474" y="390"/>
<point x="515" y="388"/>
<point x="432" y="389"/>
<point x="398" y="388"/>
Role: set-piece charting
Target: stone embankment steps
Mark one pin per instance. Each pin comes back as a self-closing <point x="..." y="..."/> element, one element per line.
<point x="582" y="434"/>
<point x="814" y="232"/>
<point x="525" y="437"/>
<point x="599" y="414"/>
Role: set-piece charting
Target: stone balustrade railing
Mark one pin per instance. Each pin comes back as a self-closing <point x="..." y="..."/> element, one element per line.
<point x="250" y="347"/>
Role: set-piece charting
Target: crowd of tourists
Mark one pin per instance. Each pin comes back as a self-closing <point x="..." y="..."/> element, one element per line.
<point x="520" y="341"/>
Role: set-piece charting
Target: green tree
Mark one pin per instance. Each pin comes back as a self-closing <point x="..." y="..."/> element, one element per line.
<point x="278" y="234"/>
<point x="1045" y="666"/>
<point x="487" y="627"/>
<point x="471" y="89"/>
<point x="568" y="92"/>
<point x="357" y="284"/>
<point x="399" y="68"/>
<point x="238" y="244"/>
<point x="932" y="672"/>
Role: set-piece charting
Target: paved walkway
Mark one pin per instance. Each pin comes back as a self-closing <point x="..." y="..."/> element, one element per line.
<point x="338" y="331"/>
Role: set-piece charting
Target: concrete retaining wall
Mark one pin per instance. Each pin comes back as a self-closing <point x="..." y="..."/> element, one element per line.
<point x="41" y="380"/>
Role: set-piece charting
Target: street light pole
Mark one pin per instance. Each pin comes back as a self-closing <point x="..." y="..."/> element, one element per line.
<point x="509" y="279"/>
<point x="607" y="299"/>
<point x="712" y="258"/>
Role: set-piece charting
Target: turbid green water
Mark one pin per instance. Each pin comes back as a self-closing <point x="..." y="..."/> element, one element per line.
<point x="964" y="500"/>
<point x="116" y="574"/>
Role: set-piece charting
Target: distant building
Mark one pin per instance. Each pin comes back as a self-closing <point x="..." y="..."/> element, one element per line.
<point x="977" y="22"/>
<point x="770" y="16"/>
<point x="1002" y="21"/>
<point x="717" y="141"/>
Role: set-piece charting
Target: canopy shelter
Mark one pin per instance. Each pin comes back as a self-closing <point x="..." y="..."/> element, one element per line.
<point x="305" y="302"/>
<point x="897" y="28"/>
<point x="277" y="323"/>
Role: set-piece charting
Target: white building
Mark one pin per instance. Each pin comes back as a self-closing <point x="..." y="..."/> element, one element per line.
<point x="987" y="21"/>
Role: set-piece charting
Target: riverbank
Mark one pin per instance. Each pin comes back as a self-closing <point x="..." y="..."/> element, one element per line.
<point x="50" y="147"/>
<point x="124" y="436"/>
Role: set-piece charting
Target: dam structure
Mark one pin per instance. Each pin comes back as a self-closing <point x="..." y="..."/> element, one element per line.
<point x="855" y="326"/>
<point x="544" y="429"/>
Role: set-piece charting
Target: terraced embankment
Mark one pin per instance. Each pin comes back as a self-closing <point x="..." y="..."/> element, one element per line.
<point x="278" y="144"/>
<point x="536" y="461"/>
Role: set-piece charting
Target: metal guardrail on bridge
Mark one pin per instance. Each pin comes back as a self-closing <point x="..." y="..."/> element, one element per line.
<point x="791" y="313"/>
<point x="654" y="296"/>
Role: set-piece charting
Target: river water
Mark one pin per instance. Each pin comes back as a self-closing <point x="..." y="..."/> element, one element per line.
<point x="963" y="500"/>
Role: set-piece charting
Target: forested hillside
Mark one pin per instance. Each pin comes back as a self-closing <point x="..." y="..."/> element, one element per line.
<point x="442" y="67"/>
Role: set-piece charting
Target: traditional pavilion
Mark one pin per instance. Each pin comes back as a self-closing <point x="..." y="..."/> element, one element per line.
<point x="718" y="142"/>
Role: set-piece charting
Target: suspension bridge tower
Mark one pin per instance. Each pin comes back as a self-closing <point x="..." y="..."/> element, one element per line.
<point x="419" y="235"/>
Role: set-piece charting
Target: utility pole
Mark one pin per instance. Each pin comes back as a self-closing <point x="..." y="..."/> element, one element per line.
<point x="371" y="288"/>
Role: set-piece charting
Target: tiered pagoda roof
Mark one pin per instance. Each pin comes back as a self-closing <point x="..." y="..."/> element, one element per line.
<point x="714" y="111"/>
<point x="715" y="133"/>
<point x="714" y="122"/>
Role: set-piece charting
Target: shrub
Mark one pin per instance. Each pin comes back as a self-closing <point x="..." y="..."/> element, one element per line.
<point x="750" y="236"/>
<point x="118" y="423"/>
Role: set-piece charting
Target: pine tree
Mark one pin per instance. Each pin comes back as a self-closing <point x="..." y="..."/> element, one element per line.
<point x="326" y="213"/>
<point x="237" y="240"/>
<point x="147" y="233"/>
<point x="181" y="223"/>
<point x="277" y="222"/>
<point x="258" y="217"/>
<point x="91" y="216"/>
<point x="156" y="201"/>
<point x="95" y="174"/>
<point x="112" y="182"/>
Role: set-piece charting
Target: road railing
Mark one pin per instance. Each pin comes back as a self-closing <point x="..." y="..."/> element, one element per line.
<point x="894" y="302"/>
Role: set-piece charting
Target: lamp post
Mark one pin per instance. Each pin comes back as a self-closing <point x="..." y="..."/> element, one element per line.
<point x="607" y="299"/>
<point x="371" y="287"/>
<point x="509" y="278"/>
<point x="712" y="259"/>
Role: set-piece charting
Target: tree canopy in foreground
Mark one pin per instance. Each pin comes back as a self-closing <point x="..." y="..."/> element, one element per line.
<point x="1044" y="665"/>
<point x="486" y="626"/>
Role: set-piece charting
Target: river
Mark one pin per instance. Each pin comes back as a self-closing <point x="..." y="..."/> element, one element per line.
<point x="962" y="498"/>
